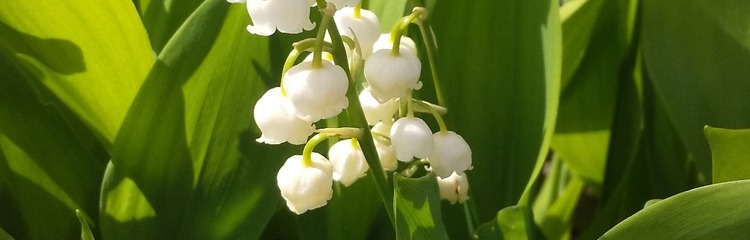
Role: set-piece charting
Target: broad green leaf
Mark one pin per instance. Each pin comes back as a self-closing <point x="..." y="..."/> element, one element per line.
<point x="187" y="137"/>
<point x="514" y="222"/>
<point x="162" y="18"/>
<point x="717" y="211"/>
<point x="694" y="52"/>
<point x="730" y="154"/>
<point x="578" y="20"/>
<point x="587" y="104"/>
<point x="417" y="204"/>
<point x="85" y="230"/>
<point x="352" y="209"/>
<point x="94" y="61"/>
<point x="48" y="170"/>
<point x="500" y="66"/>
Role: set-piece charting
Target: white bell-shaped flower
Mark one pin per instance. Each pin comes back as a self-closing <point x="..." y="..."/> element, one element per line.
<point x="305" y="187"/>
<point x="384" y="42"/>
<point x="392" y="76"/>
<point x="366" y="27"/>
<point x="276" y="124"/>
<point x="324" y="56"/>
<point x="385" y="151"/>
<point x="288" y="16"/>
<point x="452" y="154"/>
<point x="374" y="110"/>
<point x="316" y="92"/>
<point x="348" y="161"/>
<point x="342" y="3"/>
<point x="454" y="188"/>
<point x="410" y="138"/>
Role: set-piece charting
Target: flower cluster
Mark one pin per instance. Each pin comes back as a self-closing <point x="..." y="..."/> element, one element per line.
<point x="316" y="88"/>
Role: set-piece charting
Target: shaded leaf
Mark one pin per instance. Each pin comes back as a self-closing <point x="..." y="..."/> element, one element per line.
<point x="162" y="18"/>
<point x="48" y="170"/>
<point x="700" y="81"/>
<point x="501" y="62"/>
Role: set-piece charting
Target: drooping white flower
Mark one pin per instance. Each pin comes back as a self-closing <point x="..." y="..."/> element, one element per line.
<point x="348" y="161"/>
<point x="276" y="124"/>
<point x="324" y="56"/>
<point x="316" y="92"/>
<point x="451" y="154"/>
<point x="392" y="76"/>
<point x="342" y="3"/>
<point x="454" y="188"/>
<point x="366" y="27"/>
<point x="384" y="42"/>
<point x="236" y="1"/>
<point x="305" y="187"/>
<point x="374" y="110"/>
<point x="410" y="138"/>
<point x="288" y="16"/>
<point x="385" y="151"/>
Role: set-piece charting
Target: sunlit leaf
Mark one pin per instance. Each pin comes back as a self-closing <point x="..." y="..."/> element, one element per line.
<point x="162" y="18"/>
<point x="189" y="136"/>
<point x="730" y="153"/>
<point x="85" y="230"/>
<point x="94" y="61"/>
<point x="716" y="211"/>
<point x="417" y="204"/>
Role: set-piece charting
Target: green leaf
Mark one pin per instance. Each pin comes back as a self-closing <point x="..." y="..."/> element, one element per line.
<point x="93" y="61"/>
<point x="187" y="137"/>
<point x="501" y="62"/>
<point x="514" y="222"/>
<point x="578" y="18"/>
<point x="587" y="104"/>
<point x="356" y="206"/>
<point x="692" y="50"/>
<point x="717" y="211"/>
<point x="4" y="235"/>
<point x="388" y="12"/>
<point x="417" y="204"/>
<point x="730" y="154"/>
<point x="85" y="230"/>
<point x="48" y="169"/>
<point x="162" y="18"/>
<point x="557" y="221"/>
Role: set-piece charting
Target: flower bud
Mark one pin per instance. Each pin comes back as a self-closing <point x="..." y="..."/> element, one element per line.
<point x="410" y="138"/>
<point x="289" y="16"/>
<point x="384" y="42"/>
<point x="276" y="124"/>
<point x="385" y="151"/>
<point x="452" y="154"/>
<point x="366" y="27"/>
<point x="348" y="161"/>
<point x="305" y="187"/>
<point x="392" y="76"/>
<point x="454" y="188"/>
<point x="316" y="92"/>
<point x="374" y="110"/>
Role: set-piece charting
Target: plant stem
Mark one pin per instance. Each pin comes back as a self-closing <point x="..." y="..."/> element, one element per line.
<point x="357" y="118"/>
<point x="307" y="152"/>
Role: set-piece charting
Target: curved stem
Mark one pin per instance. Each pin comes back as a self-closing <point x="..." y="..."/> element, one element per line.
<point x="357" y="10"/>
<point x="307" y="152"/>
<point x="398" y="30"/>
<point x="439" y="119"/>
<point x="290" y="59"/>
